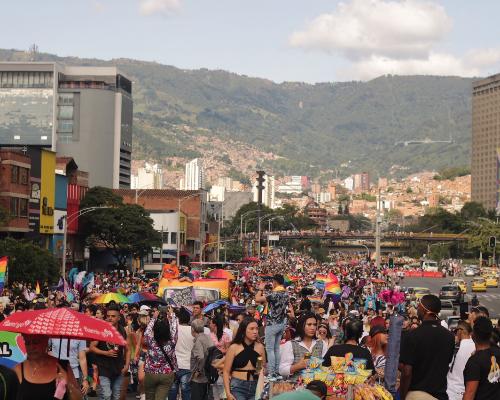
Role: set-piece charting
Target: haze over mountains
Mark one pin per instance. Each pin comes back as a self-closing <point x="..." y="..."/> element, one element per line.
<point x="311" y="129"/>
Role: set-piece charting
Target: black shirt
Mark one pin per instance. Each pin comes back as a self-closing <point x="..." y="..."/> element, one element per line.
<point x="429" y="350"/>
<point x="111" y="367"/>
<point x="481" y="367"/>
<point x="340" y="350"/>
<point x="9" y="383"/>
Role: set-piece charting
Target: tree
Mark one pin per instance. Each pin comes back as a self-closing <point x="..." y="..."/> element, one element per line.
<point x="409" y="190"/>
<point x="346" y="209"/>
<point x="124" y="229"/>
<point x="340" y="211"/>
<point x="233" y="251"/>
<point x="28" y="262"/>
<point x="479" y="236"/>
<point x="472" y="210"/>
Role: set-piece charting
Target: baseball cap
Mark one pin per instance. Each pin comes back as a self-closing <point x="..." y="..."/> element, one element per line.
<point x="144" y="310"/>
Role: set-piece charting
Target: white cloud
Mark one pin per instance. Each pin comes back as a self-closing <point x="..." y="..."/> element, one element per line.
<point x="362" y="28"/>
<point x="391" y="37"/>
<point x="163" y="7"/>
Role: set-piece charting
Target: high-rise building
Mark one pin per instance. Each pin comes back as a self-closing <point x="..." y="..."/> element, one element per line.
<point x="148" y="177"/>
<point x="194" y="177"/>
<point x="362" y="182"/>
<point x="79" y="112"/>
<point x="486" y="142"/>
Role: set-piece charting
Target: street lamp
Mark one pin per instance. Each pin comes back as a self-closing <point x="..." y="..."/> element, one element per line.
<point x="269" y="230"/>
<point x="180" y="201"/>
<point x="139" y="192"/>
<point x="241" y="222"/>
<point x="218" y="244"/>
<point x="67" y="220"/>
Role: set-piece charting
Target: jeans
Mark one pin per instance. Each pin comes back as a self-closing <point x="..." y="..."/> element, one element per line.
<point x="273" y="334"/>
<point x="157" y="386"/>
<point x="109" y="388"/>
<point x="182" y="377"/>
<point x="243" y="390"/>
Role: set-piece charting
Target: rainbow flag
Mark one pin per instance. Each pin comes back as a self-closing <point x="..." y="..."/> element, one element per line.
<point x="321" y="278"/>
<point x="3" y="270"/>
<point x="333" y="288"/>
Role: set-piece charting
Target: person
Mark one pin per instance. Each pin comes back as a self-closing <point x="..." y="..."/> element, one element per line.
<point x="141" y="350"/>
<point x="197" y="313"/>
<point x="160" y="338"/>
<point x="378" y="347"/>
<point x="244" y="359"/>
<point x="183" y="349"/>
<point x="318" y="388"/>
<point x="222" y="341"/>
<point x="75" y="353"/>
<point x="199" y="352"/>
<point x="293" y="352"/>
<point x="482" y="371"/>
<point x="2" y="310"/>
<point x="186" y="275"/>
<point x="112" y="361"/>
<point x="40" y="374"/>
<point x="324" y="334"/>
<point x="426" y="354"/>
<point x="9" y="384"/>
<point x="353" y="330"/>
<point x="466" y="347"/>
<point x="277" y="303"/>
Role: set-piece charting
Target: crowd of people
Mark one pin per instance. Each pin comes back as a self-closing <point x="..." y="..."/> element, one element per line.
<point x="258" y="343"/>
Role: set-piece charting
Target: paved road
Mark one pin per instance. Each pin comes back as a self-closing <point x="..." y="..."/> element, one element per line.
<point x="489" y="299"/>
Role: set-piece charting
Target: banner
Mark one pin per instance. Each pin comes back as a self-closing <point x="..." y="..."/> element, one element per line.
<point x="3" y="270"/>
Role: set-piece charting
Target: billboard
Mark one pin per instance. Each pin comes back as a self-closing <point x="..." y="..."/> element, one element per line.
<point x="47" y="191"/>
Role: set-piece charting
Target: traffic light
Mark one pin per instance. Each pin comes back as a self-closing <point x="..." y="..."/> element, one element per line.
<point x="493" y="241"/>
<point x="391" y="262"/>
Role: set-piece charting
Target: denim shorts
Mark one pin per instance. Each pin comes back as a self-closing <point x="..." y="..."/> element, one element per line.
<point x="243" y="390"/>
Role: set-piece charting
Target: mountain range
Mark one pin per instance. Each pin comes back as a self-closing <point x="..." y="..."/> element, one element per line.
<point x="391" y="124"/>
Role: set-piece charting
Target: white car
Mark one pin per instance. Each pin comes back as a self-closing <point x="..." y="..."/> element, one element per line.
<point x="469" y="272"/>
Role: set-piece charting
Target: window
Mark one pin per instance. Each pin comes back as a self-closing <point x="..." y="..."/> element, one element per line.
<point x="66" y="99"/>
<point x="14" y="177"/>
<point x="65" y="126"/>
<point x="173" y="238"/>
<point x="14" y="205"/>
<point x="23" y="208"/>
<point x="23" y="176"/>
<point x="66" y="112"/>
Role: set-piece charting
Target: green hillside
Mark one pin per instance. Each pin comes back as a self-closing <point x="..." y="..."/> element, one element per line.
<point x="312" y="127"/>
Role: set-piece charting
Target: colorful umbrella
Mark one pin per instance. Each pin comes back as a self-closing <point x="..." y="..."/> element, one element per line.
<point x="63" y="323"/>
<point x="12" y="349"/>
<point x="220" y="274"/>
<point x="116" y="297"/>
<point x="145" y="297"/>
<point x="214" y="305"/>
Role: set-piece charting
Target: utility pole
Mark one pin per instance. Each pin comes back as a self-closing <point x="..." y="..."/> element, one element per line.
<point x="161" y="247"/>
<point x="260" y="188"/>
<point x="377" y="232"/>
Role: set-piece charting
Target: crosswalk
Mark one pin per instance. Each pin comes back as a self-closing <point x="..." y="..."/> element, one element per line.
<point x="489" y="297"/>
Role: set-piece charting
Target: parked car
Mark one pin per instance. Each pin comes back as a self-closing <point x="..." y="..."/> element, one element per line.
<point x="491" y="281"/>
<point x="451" y="292"/>
<point x="447" y="309"/>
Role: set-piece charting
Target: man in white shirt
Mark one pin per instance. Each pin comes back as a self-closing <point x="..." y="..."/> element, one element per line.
<point x="183" y="349"/>
<point x="456" y="386"/>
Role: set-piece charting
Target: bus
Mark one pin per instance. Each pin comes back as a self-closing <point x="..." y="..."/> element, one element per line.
<point x="429" y="265"/>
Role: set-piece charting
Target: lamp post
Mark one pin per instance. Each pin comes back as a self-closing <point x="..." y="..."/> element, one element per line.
<point x="139" y="192"/>
<point x="180" y="201"/>
<point x="241" y="221"/>
<point x="68" y="219"/>
<point x="217" y="242"/>
<point x="269" y="231"/>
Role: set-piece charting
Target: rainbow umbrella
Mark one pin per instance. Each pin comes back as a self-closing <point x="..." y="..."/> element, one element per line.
<point x="116" y="297"/>
<point x="12" y="349"/>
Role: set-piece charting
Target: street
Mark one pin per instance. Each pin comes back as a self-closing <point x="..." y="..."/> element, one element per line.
<point x="489" y="299"/>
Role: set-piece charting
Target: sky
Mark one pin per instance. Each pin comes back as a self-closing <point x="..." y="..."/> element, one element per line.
<point x="282" y="40"/>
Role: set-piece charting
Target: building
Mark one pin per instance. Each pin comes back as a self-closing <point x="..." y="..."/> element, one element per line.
<point x="294" y="185"/>
<point x="217" y="193"/>
<point x="332" y="189"/>
<point x="323" y="197"/>
<point x="15" y="167"/>
<point x="362" y="182"/>
<point x="80" y="112"/>
<point x="317" y="214"/>
<point x="148" y="177"/>
<point x="486" y="142"/>
<point x="268" y="193"/>
<point x="191" y="203"/>
<point x="315" y="188"/>
<point x="194" y="177"/>
<point x="172" y="227"/>
<point x="349" y="183"/>
<point x="233" y="201"/>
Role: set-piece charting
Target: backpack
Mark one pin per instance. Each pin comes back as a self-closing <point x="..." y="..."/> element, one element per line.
<point x="212" y="373"/>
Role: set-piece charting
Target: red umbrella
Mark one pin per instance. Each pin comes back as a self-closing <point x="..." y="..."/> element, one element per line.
<point x="251" y="259"/>
<point x="63" y="323"/>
